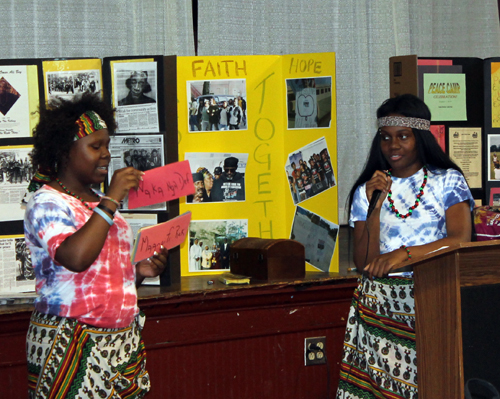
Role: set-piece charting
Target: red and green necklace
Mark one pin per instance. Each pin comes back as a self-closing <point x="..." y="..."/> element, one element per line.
<point x="417" y="201"/>
<point x="76" y="196"/>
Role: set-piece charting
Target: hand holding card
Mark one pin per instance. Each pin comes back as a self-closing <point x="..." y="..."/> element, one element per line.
<point x="169" y="234"/>
<point x="162" y="184"/>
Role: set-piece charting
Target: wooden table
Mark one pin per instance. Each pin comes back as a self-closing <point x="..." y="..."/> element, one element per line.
<point x="216" y="341"/>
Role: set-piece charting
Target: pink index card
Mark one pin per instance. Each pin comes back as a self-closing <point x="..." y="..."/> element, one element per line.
<point x="169" y="234"/>
<point x="162" y="184"/>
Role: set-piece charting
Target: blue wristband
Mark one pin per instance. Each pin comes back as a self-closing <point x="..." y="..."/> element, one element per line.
<point x="101" y="213"/>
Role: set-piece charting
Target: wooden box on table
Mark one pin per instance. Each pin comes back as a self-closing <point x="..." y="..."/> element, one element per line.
<point x="268" y="259"/>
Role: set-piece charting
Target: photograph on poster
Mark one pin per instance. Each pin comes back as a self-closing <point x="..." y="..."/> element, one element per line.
<point x="318" y="235"/>
<point x="495" y="196"/>
<point x="494" y="154"/>
<point x="8" y="96"/>
<point x="145" y="156"/>
<point x="135" y="95"/>
<point x="16" y="270"/>
<point x="138" y="221"/>
<point x="139" y="90"/>
<point x="310" y="171"/>
<point x="143" y="152"/>
<point x="210" y="240"/>
<point x="66" y="84"/>
<point x="15" y="100"/>
<point x="16" y="171"/>
<point x="217" y="105"/>
<point x="309" y="102"/>
<point x="217" y="177"/>
<point x="23" y="258"/>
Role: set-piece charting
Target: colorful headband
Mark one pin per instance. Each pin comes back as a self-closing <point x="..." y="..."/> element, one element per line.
<point x="38" y="180"/>
<point x="203" y="171"/>
<point x="404" y="121"/>
<point x="88" y="123"/>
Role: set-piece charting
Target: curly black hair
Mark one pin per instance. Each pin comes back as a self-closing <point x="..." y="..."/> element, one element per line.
<point x="54" y="135"/>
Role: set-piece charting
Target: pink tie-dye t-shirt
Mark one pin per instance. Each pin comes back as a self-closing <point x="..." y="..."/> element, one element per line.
<point x="104" y="295"/>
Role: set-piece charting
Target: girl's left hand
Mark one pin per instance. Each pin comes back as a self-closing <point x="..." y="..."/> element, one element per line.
<point x="152" y="266"/>
<point x="383" y="264"/>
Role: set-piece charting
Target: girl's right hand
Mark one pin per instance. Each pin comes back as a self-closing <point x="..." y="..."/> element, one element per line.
<point x="379" y="181"/>
<point x="122" y="181"/>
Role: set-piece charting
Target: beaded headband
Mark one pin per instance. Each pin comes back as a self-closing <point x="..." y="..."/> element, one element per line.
<point x="404" y="121"/>
<point x="89" y="122"/>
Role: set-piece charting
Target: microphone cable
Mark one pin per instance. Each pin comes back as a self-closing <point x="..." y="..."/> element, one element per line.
<point x="357" y="316"/>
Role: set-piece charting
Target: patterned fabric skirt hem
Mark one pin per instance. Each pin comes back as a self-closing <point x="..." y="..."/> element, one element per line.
<point x="68" y="359"/>
<point x="379" y="359"/>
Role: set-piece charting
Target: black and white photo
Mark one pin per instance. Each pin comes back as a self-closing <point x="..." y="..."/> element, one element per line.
<point x="135" y="91"/>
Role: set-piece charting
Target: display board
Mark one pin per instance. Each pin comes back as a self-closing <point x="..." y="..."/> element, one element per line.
<point x="249" y="157"/>
<point x="270" y="137"/>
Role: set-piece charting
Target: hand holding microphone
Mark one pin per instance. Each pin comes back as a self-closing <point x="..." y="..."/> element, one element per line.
<point x="373" y="202"/>
<point x="378" y="184"/>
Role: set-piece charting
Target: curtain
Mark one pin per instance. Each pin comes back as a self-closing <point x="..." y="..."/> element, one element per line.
<point x="363" y="34"/>
<point x="95" y="28"/>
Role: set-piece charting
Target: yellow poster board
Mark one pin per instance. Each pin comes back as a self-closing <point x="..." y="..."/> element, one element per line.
<point x="495" y="94"/>
<point x="271" y="92"/>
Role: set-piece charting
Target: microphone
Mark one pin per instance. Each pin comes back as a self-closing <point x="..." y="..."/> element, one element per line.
<point x="375" y="197"/>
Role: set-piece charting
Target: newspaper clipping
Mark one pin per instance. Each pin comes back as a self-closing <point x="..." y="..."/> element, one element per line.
<point x="141" y="152"/>
<point x="14" y="104"/>
<point x="16" y="171"/>
<point x="135" y="97"/>
<point x="136" y="222"/>
<point x="16" y="272"/>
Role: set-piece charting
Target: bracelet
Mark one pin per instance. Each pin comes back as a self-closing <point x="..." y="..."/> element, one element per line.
<point x="407" y="251"/>
<point x="103" y="214"/>
<point x="112" y="200"/>
<point x="106" y="209"/>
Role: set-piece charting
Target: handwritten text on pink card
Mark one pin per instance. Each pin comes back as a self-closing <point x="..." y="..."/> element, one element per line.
<point x="169" y="234"/>
<point x="162" y="184"/>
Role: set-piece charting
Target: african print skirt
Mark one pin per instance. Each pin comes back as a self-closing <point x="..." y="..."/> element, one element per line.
<point x="67" y="359"/>
<point x="379" y="359"/>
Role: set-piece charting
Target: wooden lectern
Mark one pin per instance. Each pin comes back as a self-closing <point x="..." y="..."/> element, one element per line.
<point x="457" y="299"/>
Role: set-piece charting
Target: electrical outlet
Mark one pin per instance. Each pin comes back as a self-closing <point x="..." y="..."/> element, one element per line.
<point x="315" y="351"/>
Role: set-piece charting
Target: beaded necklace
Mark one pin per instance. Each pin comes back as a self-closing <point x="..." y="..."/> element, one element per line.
<point x="76" y="196"/>
<point x="417" y="201"/>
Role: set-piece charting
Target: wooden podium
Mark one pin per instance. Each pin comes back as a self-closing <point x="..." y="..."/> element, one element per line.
<point x="457" y="291"/>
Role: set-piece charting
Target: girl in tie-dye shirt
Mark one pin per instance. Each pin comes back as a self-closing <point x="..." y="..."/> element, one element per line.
<point x="424" y="204"/>
<point x="84" y="338"/>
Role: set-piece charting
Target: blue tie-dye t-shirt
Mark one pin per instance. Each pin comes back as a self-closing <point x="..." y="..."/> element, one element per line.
<point x="427" y="223"/>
